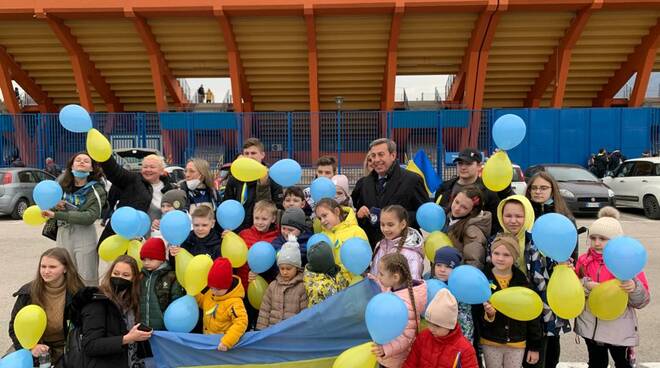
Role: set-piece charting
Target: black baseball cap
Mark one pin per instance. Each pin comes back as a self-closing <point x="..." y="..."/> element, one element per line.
<point x="469" y="155"/>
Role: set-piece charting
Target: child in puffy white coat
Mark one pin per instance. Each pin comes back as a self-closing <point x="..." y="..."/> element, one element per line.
<point x="394" y="276"/>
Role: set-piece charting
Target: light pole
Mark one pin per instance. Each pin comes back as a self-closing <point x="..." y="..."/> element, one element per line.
<point x="339" y="100"/>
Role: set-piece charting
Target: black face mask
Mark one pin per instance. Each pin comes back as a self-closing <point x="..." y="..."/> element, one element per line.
<point x="120" y="284"/>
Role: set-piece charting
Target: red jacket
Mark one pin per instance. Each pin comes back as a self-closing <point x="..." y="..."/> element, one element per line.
<point x="429" y="351"/>
<point x="251" y="236"/>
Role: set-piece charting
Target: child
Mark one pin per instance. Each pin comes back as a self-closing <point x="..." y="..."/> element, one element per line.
<point x="222" y="305"/>
<point x="203" y="238"/>
<point x="174" y="199"/>
<point x="326" y="167"/>
<point x="446" y="259"/>
<point x="441" y="345"/>
<point x="339" y="223"/>
<point x="294" y="223"/>
<point x="159" y="286"/>
<point x="294" y="198"/>
<point x="322" y="277"/>
<point x="621" y="335"/>
<point x="250" y="193"/>
<point x="286" y="296"/>
<point x="503" y="340"/>
<point x="263" y="229"/>
<point x="469" y="226"/>
<point x="394" y="276"/>
<point x="343" y="195"/>
<point x="398" y="237"/>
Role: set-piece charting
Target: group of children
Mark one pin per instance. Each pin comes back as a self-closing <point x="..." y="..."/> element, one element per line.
<point x="306" y="274"/>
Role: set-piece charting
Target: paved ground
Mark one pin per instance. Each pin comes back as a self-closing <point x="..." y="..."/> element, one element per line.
<point x="21" y="245"/>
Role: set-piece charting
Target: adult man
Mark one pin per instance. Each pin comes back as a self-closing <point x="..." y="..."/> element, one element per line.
<point x="52" y="168"/>
<point x="387" y="184"/>
<point x="250" y="193"/>
<point x="142" y="191"/>
<point x="468" y="163"/>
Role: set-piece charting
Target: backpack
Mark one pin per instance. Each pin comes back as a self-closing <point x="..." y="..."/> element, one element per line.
<point x="73" y="356"/>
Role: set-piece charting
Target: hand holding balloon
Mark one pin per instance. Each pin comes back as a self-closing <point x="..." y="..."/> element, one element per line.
<point x="490" y="311"/>
<point x="628" y="286"/>
<point x="378" y="350"/>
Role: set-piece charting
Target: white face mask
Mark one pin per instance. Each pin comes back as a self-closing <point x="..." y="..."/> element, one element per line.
<point x="193" y="184"/>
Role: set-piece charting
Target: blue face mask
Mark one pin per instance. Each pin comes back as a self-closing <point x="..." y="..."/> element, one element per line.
<point x="549" y="201"/>
<point x="80" y="174"/>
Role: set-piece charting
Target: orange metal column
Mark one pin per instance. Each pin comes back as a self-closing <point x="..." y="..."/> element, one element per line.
<point x="389" y="81"/>
<point x="27" y="83"/>
<point x="457" y="89"/>
<point x="8" y="95"/>
<point x="313" y="70"/>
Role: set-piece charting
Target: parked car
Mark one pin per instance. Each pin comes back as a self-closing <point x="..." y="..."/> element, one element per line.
<point x="176" y="173"/>
<point x="131" y="158"/>
<point x="16" y="185"/>
<point x="518" y="183"/>
<point x="636" y="184"/>
<point x="582" y="191"/>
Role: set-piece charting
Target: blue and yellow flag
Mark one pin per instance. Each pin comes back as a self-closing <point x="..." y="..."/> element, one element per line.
<point x="421" y="165"/>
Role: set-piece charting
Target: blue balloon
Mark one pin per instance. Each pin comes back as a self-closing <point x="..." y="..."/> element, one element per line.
<point x="508" y="131"/>
<point x="356" y="254"/>
<point x="323" y="188"/>
<point x="125" y="221"/>
<point x="386" y="317"/>
<point x="18" y="359"/>
<point x="230" y="214"/>
<point x="555" y="236"/>
<point x="47" y="193"/>
<point x="469" y="285"/>
<point x="625" y="257"/>
<point x="75" y="118"/>
<point x="175" y="227"/>
<point x="432" y="288"/>
<point x="182" y="314"/>
<point x="317" y="238"/>
<point x="431" y="217"/>
<point x="145" y="223"/>
<point x="261" y="257"/>
<point x="286" y="172"/>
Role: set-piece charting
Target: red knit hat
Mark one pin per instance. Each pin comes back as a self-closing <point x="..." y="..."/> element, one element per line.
<point x="220" y="276"/>
<point x="154" y="248"/>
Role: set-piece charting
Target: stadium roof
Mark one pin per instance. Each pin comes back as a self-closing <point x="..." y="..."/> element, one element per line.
<point x="284" y="55"/>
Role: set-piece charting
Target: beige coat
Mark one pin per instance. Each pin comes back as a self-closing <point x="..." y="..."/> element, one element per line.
<point x="282" y="300"/>
<point x="473" y="244"/>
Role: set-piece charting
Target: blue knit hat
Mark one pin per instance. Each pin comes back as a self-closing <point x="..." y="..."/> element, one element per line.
<point x="449" y="256"/>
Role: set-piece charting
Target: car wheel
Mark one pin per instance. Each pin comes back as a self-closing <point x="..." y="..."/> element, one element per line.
<point x="19" y="209"/>
<point x="651" y="207"/>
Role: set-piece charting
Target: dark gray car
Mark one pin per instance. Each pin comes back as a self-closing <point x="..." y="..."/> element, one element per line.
<point x="582" y="191"/>
<point x="16" y="185"/>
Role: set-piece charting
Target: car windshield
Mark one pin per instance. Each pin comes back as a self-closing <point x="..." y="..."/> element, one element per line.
<point x="133" y="157"/>
<point x="565" y="173"/>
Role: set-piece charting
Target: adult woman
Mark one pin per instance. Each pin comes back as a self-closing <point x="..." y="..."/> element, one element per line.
<point x="84" y="197"/>
<point x="108" y="315"/>
<point x="52" y="289"/>
<point x="543" y="192"/>
<point x="199" y="185"/>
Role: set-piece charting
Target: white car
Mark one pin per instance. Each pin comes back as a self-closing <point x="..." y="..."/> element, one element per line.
<point x="636" y="183"/>
<point x="518" y="184"/>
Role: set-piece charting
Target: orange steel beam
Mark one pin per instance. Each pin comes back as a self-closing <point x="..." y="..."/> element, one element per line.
<point x="84" y="69"/>
<point x="637" y="62"/>
<point x="21" y="77"/>
<point x="457" y="89"/>
<point x="313" y="62"/>
<point x="389" y="81"/>
<point x="160" y="71"/>
<point x="476" y="65"/>
<point x="8" y="95"/>
<point x="557" y="66"/>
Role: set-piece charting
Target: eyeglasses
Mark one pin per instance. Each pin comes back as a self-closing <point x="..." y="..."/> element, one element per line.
<point x="542" y="188"/>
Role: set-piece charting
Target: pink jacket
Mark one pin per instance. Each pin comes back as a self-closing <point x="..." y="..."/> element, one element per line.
<point x="398" y="349"/>
<point x="412" y="249"/>
<point x="592" y="265"/>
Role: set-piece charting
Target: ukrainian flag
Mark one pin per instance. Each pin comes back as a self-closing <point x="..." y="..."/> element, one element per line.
<point x="421" y="165"/>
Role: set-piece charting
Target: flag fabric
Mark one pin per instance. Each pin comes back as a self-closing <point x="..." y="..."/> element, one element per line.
<point x="421" y="165"/>
<point x="312" y="338"/>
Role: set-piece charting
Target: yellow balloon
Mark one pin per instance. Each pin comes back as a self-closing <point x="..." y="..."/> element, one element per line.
<point x="498" y="172"/>
<point x="113" y="247"/>
<point x="181" y="260"/>
<point x="29" y="325"/>
<point x="32" y="216"/>
<point x="435" y="241"/>
<point x="197" y="273"/>
<point x="356" y="357"/>
<point x="247" y="170"/>
<point x="565" y="293"/>
<point x="233" y="248"/>
<point x="608" y="301"/>
<point x="517" y="302"/>
<point x="256" y="290"/>
<point x="134" y="247"/>
<point x="98" y="146"/>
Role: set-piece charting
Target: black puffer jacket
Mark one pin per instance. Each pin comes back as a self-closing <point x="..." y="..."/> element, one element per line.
<point x="255" y="193"/>
<point x="504" y="329"/>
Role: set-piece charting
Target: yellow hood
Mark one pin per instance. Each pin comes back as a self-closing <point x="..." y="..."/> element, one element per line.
<point x="527" y="225"/>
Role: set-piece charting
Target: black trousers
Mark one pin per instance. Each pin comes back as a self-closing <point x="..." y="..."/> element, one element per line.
<point x="598" y="357"/>
<point x="548" y="354"/>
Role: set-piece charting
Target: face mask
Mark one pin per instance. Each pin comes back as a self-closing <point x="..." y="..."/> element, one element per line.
<point x="80" y="174"/>
<point x="193" y="184"/>
<point x="549" y="202"/>
<point x="120" y="284"/>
